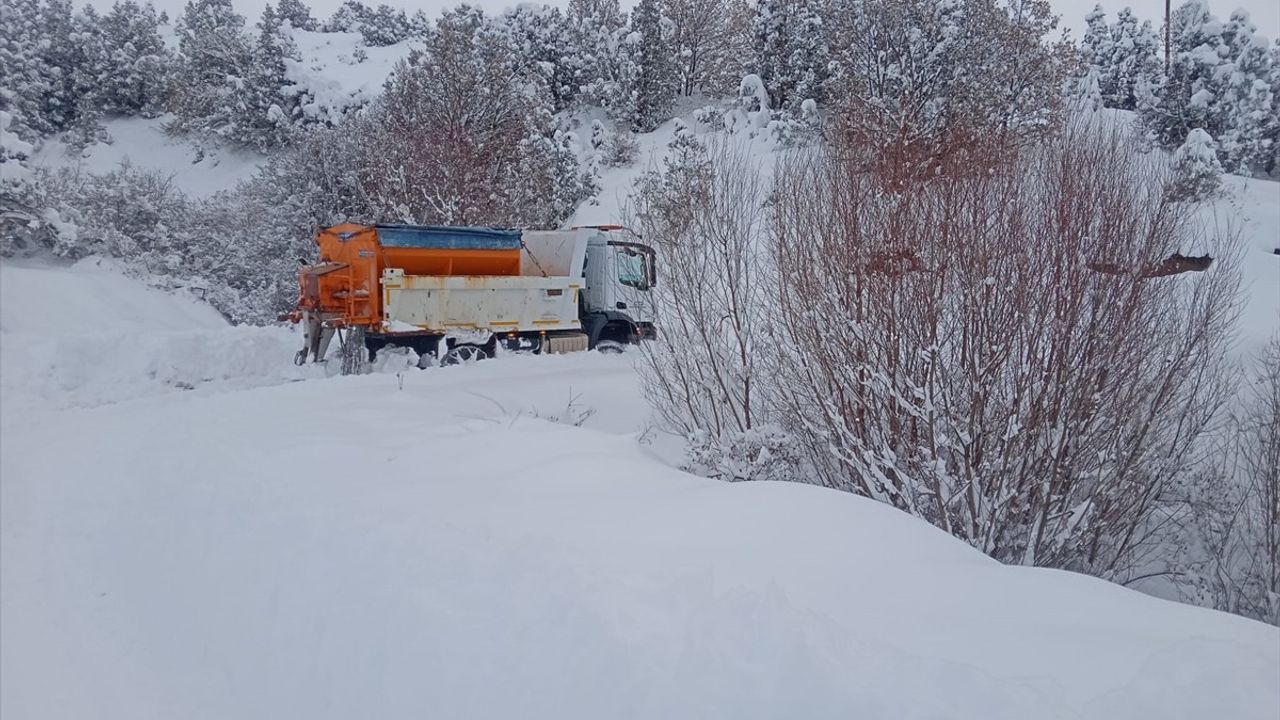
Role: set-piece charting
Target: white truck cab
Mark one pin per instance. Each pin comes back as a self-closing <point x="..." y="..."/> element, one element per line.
<point x="619" y="272"/>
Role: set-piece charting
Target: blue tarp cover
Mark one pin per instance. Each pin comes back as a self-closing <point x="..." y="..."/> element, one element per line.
<point x="453" y="238"/>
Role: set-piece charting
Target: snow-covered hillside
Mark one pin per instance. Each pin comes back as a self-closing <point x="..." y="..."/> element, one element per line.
<point x="436" y="544"/>
<point x="142" y="143"/>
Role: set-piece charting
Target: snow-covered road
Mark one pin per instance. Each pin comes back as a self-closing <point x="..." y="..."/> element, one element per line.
<point x="432" y="545"/>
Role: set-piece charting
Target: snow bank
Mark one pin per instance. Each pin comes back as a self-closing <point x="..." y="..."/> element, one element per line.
<point x="338" y="72"/>
<point x="89" y="334"/>
<point x="143" y="143"/>
<point x="350" y="548"/>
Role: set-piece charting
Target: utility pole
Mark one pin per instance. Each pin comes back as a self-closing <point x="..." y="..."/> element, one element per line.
<point x="1166" y="35"/>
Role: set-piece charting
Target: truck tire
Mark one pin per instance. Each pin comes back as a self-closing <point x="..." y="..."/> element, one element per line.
<point x="611" y="347"/>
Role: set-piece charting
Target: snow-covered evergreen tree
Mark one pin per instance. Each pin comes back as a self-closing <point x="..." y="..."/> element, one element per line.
<point x="1218" y="81"/>
<point x="463" y="135"/>
<point x="1246" y="99"/>
<point x="268" y="109"/>
<point x="1133" y="62"/>
<point x="379" y="26"/>
<point x="297" y="13"/>
<point x="90" y="66"/>
<point x="701" y="42"/>
<point x="346" y="18"/>
<point x="1096" y="46"/>
<point x="24" y="76"/>
<point x="214" y="61"/>
<point x="385" y="25"/>
<point x="597" y="29"/>
<point x="138" y="63"/>
<point x="1272" y="164"/>
<point x="791" y="52"/>
<point x="56" y="55"/>
<point x="541" y="38"/>
<point x="1197" y="175"/>
<point x="653" y="79"/>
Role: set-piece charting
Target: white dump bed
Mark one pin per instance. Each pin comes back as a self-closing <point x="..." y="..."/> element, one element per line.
<point x="543" y="297"/>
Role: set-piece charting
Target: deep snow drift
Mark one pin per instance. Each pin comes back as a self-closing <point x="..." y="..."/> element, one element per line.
<point x="87" y="335"/>
<point x="429" y="545"/>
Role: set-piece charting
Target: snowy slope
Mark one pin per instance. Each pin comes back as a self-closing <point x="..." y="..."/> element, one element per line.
<point x="88" y="334"/>
<point x="424" y="546"/>
<point x="143" y="143"/>
<point x="338" y="72"/>
<point x="1253" y="207"/>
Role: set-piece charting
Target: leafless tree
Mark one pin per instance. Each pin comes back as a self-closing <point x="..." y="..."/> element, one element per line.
<point x="947" y="347"/>
<point x="703" y="211"/>
<point x="1227" y="534"/>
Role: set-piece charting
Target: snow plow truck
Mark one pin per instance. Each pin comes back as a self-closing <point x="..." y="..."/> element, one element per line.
<point x="455" y="294"/>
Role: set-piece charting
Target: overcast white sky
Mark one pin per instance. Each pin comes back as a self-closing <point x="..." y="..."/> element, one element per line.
<point x="1265" y="13"/>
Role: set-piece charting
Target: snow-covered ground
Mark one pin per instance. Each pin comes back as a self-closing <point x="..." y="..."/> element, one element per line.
<point x="436" y="544"/>
<point x="143" y="143"/>
<point x="339" y="72"/>
<point x="86" y="335"/>
<point x="1253" y="208"/>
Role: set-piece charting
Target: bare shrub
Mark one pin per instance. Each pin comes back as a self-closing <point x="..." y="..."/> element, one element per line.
<point x="703" y="212"/>
<point x="1227" y="532"/>
<point x="948" y="348"/>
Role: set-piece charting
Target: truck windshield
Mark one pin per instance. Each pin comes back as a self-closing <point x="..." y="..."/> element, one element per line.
<point x="635" y="267"/>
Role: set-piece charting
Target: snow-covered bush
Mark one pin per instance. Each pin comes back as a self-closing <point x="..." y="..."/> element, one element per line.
<point x="997" y="352"/>
<point x="709" y="117"/>
<point x="763" y="452"/>
<point x="613" y="148"/>
<point x="703" y="212"/>
<point x="1226" y="529"/>
<point x="1197" y="175"/>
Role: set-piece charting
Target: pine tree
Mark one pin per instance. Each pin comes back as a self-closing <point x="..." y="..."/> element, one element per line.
<point x="700" y="41"/>
<point x="385" y="26"/>
<point x="347" y="17"/>
<point x="1197" y="175"/>
<point x="1218" y="81"/>
<point x="1133" y="61"/>
<point x="297" y="14"/>
<point x="214" y="60"/>
<point x="465" y="135"/>
<point x="654" y="80"/>
<point x="267" y="112"/>
<point x="791" y="51"/>
<point x="90" y="67"/>
<point x="597" y="29"/>
<point x="1095" y="48"/>
<point x="136" y="78"/>
<point x="1245" y="95"/>
<point x="57" y="51"/>
<point x="541" y="39"/>
<point x="25" y="79"/>
<point x="1272" y="165"/>
<point x="1186" y="97"/>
